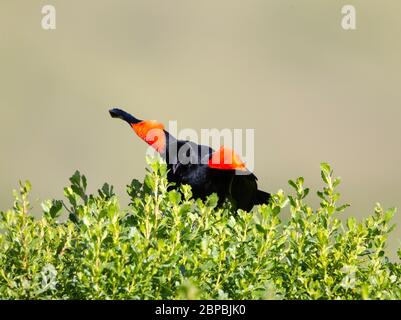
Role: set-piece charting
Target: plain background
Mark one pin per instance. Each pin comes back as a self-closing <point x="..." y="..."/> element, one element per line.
<point x="312" y="91"/>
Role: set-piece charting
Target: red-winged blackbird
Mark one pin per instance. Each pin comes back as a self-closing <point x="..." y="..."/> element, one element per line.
<point x="199" y="166"/>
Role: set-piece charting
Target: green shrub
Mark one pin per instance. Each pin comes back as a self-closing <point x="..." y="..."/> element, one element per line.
<point x="167" y="245"/>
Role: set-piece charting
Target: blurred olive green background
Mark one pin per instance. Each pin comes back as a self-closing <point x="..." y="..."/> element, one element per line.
<point x="312" y="91"/>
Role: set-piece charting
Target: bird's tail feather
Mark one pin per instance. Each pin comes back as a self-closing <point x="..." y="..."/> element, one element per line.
<point x="262" y="197"/>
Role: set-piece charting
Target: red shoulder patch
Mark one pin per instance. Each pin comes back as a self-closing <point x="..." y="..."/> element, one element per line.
<point x="152" y="132"/>
<point x="226" y="159"/>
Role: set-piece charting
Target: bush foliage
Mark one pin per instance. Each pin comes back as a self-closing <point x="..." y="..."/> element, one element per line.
<point x="167" y="245"/>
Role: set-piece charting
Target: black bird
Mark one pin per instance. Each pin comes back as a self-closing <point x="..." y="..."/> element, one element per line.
<point x="199" y="166"/>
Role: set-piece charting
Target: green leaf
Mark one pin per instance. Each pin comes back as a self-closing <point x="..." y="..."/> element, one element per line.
<point x="292" y="184"/>
<point x="324" y="176"/>
<point x="325" y="168"/>
<point x="174" y="197"/>
<point x="336" y="182"/>
<point x="300" y="181"/>
<point x="342" y="208"/>
<point x="55" y="209"/>
<point x="389" y="214"/>
<point x="212" y="200"/>
<point x="351" y="223"/>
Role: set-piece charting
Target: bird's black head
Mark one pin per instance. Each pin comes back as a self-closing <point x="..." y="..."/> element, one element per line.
<point x="115" y="112"/>
<point x="121" y="114"/>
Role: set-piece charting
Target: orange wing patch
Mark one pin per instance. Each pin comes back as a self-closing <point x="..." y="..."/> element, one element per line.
<point x="152" y="132"/>
<point x="226" y="159"/>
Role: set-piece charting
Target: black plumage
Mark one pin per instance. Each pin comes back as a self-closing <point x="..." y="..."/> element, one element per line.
<point x="195" y="170"/>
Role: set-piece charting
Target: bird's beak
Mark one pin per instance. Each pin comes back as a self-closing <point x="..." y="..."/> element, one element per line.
<point x="116" y="113"/>
<point x="121" y="114"/>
